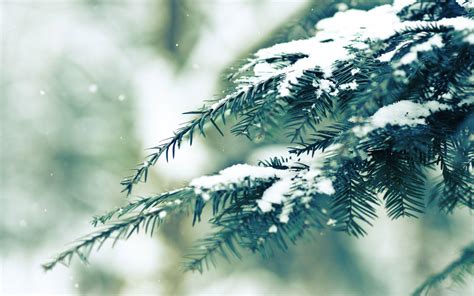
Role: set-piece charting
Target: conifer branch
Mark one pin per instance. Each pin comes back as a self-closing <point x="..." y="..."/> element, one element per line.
<point x="368" y="111"/>
<point x="121" y="229"/>
<point x="236" y="103"/>
<point x="456" y="272"/>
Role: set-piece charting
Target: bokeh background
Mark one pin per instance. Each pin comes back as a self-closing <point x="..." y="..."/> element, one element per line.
<point x="88" y="85"/>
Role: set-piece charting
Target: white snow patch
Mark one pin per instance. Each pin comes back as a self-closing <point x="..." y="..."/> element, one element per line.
<point x="466" y="3"/>
<point x="342" y="7"/>
<point x="324" y="86"/>
<point x="324" y="185"/>
<point x="235" y="174"/>
<point x="351" y="85"/>
<point x="285" y="215"/>
<point x="435" y="41"/>
<point x="263" y="69"/>
<point x="264" y="206"/>
<point x="459" y="23"/>
<point x="219" y="103"/>
<point x="387" y="57"/>
<point x="273" y="229"/>
<point x="399" y="73"/>
<point x="288" y="205"/>
<point x="466" y="102"/>
<point x="404" y="112"/>
<point x="447" y="96"/>
<point x="355" y="71"/>
<point x="315" y="182"/>
<point x="469" y="38"/>
<point x="275" y="194"/>
<point x="333" y="35"/>
<point x="282" y="193"/>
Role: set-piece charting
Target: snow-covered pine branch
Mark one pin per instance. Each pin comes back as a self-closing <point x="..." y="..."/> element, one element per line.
<point x="369" y="103"/>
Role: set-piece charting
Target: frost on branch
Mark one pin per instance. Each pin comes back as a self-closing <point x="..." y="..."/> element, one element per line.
<point x="369" y="104"/>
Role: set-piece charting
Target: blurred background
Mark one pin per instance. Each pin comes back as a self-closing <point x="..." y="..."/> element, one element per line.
<point x="88" y="85"/>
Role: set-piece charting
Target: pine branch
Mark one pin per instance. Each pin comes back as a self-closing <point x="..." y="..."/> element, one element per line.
<point x="231" y="223"/>
<point x="401" y="181"/>
<point x="369" y="118"/>
<point x="120" y="229"/>
<point x="261" y="115"/>
<point x="322" y="140"/>
<point x="456" y="271"/>
<point x="310" y="103"/>
<point x="456" y="185"/>
<point x="355" y="201"/>
<point x="203" y="254"/>
<point x="236" y="103"/>
<point x="143" y="203"/>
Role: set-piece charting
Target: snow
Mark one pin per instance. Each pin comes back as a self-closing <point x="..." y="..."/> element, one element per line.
<point x="233" y="175"/>
<point x="324" y="185"/>
<point x="387" y="57"/>
<point x="262" y="69"/>
<point x="282" y="193"/>
<point x="360" y="25"/>
<point x="402" y="113"/>
<point x="466" y="102"/>
<point x="459" y="23"/>
<point x="219" y="103"/>
<point x="405" y="113"/>
<point x="264" y="206"/>
<point x="466" y="3"/>
<point x="285" y="214"/>
<point x="342" y="7"/>
<point x="399" y="73"/>
<point x="331" y="222"/>
<point x="347" y="28"/>
<point x="324" y="86"/>
<point x="435" y="41"/>
<point x="333" y="35"/>
<point x="314" y="177"/>
<point x="351" y="85"/>
<point x="203" y="194"/>
<point x="469" y="38"/>
<point x="355" y="71"/>
<point x="273" y="229"/>
<point x="275" y="194"/>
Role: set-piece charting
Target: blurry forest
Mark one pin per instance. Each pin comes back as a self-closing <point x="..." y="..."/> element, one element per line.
<point x="88" y="85"/>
